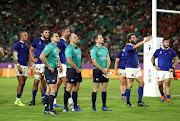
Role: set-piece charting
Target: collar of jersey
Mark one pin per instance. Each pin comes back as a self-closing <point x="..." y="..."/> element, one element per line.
<point x="63" y="38"/>
<point x="73" y="45"/>
<point x="22" y="42"/>
<point x="99" y="47"/>
<point x="44" y="40"/>
<point x="165" y="49"/>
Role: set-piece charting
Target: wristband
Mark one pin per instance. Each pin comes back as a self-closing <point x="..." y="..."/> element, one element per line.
<point x="173" y="67"/>
<point x="154" y="64"/>
<point x="31" y="67"/>
<point x="18" y="64"/>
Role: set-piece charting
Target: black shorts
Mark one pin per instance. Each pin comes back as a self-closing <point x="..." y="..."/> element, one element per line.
<point x="51" y="78"/>
<point x="98" y="77"/>
<point x="72" y="76"/>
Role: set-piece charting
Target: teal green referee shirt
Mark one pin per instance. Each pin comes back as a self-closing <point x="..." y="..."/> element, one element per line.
<point x="74" y="53"/>
<point x="100" y="54"/>
<point x="51" y="50"/>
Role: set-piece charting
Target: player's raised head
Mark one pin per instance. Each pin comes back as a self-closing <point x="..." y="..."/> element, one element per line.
<point x="45" y="33"/>
<point x="23" y="36"/>
<point x="131" y="38"/>
<point x="65" y="32"/>
<point x="166" y="42"/>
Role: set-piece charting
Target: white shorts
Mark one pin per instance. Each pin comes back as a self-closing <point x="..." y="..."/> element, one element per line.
<point x="24" y="70"/>
<point x="39" y="68"/>
<point x="63" y="73"/>
<point x="133" y="72"/>
<point x="162" y="75"/>
<point x="122" y="73"/>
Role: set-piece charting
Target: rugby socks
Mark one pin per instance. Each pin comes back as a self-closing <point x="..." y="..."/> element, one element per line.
<point x="45" y="88"/>
<point x="51" y="100"/>
<point x="128" y="91"/>
<point x="18" y="97"/>
<point x="34" y="94"/>
<point x="74" y="96"/>
<point x="46" y="102"/>
<point x="140" y="93"/>
<point x="168" y="96"/>
<point x="104" y="98"/>
<point x="162" y="93"/>
<point x="43" y="96"/>
<point x="69" y="93"/>
<point x="66" y="96"/>
<point x="123" y="95"/>
<point x="94" y="99"/>
<point x="56" y="93"/>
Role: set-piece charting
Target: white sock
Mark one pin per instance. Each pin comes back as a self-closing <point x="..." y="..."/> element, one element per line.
<point x="18" y="99"/>
<point x="70" y="100"/>
<point x="54" y="101"/>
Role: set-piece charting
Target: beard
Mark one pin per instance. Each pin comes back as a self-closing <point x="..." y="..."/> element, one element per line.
<point x="133" y="42"/>
<point x="166" y="46"/>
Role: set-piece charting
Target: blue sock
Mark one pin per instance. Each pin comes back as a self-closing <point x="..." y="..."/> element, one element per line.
<point x="19" y="95"/>
<point x="43" y="95"/>
<point x="34" y="94"/>
<point x="56" y="93"/>
<point x="65" y="89"/>
<point x="162" y="93"/>
<point x="123" y="95"/>
<point x="128" y="91"/>
<point x="140" y="93"/>
<point x="45" y="88"/>
<point x="168" y="96"/>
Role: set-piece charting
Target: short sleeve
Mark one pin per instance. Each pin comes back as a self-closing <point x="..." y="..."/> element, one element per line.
<point x="15" y="48"/>
<point x="68" y="52"/>
<point x="174" y="54"/>
<point x="107" y="52"/>
<point x="93" y="54"/>
<point x="48" y="48"/>
<point x="33" y="44"/>
<point x="156" y="54"/>
<point x="118" y="55"/>
<point x="129" y="48"/>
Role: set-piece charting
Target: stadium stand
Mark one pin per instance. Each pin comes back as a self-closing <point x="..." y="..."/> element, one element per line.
<point x="114" y="19"/>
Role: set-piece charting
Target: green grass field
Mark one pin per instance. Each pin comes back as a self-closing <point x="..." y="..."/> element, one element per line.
<point x="156" y="111"/>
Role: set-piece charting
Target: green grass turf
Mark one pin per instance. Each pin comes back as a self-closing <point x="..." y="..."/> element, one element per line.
<point x="156" y="111"/>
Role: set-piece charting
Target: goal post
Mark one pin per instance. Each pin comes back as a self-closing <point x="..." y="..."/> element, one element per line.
<point x="150" y="74"/>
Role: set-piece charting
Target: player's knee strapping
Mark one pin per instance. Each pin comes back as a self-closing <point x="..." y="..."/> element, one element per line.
<point x="38" y="77"/>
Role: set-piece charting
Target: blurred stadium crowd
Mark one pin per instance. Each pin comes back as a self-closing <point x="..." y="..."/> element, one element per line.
<point x="113" y="18"/>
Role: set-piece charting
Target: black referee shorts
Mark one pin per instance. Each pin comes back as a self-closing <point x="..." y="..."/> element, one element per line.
<point x="51" y="78"/>
<point x="72" y="76"/>
<point x="98" y="77"/>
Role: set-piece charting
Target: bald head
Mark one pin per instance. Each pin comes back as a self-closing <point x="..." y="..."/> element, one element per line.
<point x="23" y="36"/>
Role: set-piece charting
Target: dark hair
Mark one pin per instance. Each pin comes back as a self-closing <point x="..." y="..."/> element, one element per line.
<point x="51" y="35"/>
<point x="96" y="36"/>
<point x="166" y="39"/>
<point x="69" y="36"/>
<point x="63" y="29"/>
<point x="44" y="29"/>
<point x="124" y="45"/>
<point x="129" y="36"/>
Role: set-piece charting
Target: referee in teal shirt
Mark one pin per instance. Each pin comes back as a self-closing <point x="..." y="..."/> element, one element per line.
<point x="74" y="68"/>
<point x="101" y="62"/>
<point x="50" y="57"/>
